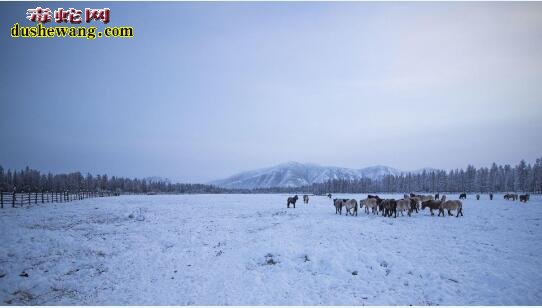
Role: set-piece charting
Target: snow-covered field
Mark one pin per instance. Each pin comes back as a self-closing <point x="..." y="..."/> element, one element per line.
<point x="251" y="249"/>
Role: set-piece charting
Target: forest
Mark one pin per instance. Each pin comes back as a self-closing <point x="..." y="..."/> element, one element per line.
<point x="523" y="177"/>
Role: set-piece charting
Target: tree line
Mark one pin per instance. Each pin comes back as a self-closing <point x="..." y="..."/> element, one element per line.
<point x="522" y="177"/>
<point x="30" y="180"/>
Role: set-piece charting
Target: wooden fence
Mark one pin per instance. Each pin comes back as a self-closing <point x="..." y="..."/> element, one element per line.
<point x="21" y="199"/>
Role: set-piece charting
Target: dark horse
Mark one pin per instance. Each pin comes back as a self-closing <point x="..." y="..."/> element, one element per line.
<point x="513" y="197"/>
<point x="292" y="200"/>
<point x="389" y="207"/>
<point x="375" y="197"/>
<point x="462" y="196"/>
<point x="524" y="198"/>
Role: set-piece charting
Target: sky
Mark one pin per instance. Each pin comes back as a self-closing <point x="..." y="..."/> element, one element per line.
<point x="208" y="89"/>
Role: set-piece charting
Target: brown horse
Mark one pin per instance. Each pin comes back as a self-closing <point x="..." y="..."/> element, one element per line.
<point x="338" y="204"/>
<point x="432" y="205"/>
<point x="292" y="200"/>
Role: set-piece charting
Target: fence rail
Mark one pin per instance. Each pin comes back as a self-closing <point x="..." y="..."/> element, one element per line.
<point x="20" y="199"/>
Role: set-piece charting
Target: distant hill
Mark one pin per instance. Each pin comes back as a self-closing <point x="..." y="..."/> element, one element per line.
<point x="293" y="174"/>
<point x="157" y="179"/>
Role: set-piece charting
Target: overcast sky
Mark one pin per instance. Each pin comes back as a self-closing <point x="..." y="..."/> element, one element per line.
<point x="205" y="90"/>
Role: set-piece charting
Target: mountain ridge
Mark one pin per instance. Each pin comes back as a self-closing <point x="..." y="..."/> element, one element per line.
<point x="293" y="174"/>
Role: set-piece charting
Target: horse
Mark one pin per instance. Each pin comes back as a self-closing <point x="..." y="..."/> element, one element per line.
<point x="462" y="196"/>
<point x="378" y="199"/>
<point x="415" y="204"/>
<point x="451" y="205"/>
<point x="432" y="205"/>
<point x="339" y="203"/>
<point x="524" y="198"/>
<point x="514" y="197"/>
<point x="370" y="203"/>
<point x="292" y="200"/>
<point x="477" y="196"/>
<point x="437" y="196"/>
<point x="306" y="199"/>
<point x="329" y="196"/>
<point x="389" y="207"/>
<point x="490" y="196"/>
<point x="351" y="207"/>
<point x="404" y="204"/>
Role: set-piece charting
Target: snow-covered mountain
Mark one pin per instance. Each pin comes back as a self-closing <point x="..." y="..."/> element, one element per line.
<point x="157" y="179"/>
<point x="293" y="174"/>
<point x="377" y="172"/>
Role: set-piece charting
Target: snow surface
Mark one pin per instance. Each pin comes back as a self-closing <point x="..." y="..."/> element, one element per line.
<point x="252" y="250"/>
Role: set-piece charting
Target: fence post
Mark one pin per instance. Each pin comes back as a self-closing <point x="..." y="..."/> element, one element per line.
<point x="2" y="199"/>
<point x="13" y="197"/>
<point x="42" y="197"/>
<point x="35" y="197"/>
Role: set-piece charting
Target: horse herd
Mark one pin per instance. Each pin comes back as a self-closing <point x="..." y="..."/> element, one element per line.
<point x="509" y="196"/>
<point x="514" y="197"/>
<point x="389" y="207"/>
<point x="410" y="203"/>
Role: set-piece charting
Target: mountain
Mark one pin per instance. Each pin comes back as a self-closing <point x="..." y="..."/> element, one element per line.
<point x="377" y="172"/>
<point x="157" y="179"/>
<point x="292" y="174"/>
